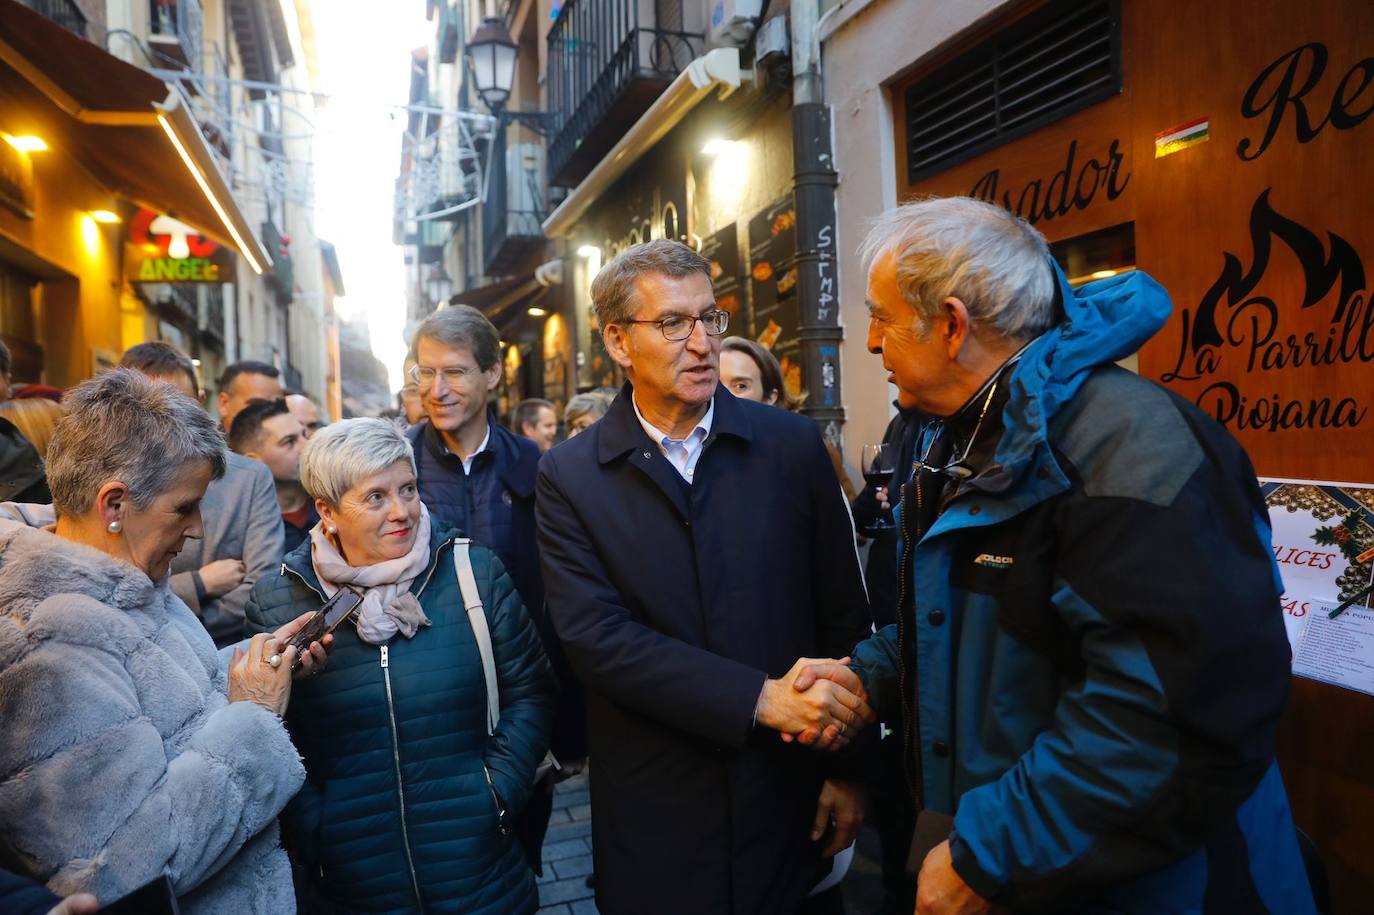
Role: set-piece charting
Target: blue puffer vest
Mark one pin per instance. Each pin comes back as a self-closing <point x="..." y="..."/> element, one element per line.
<point x="407" y="802"/>
<point x="494" y="504"/>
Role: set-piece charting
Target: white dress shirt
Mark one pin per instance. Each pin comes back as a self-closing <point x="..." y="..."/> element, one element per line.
<point x="467" y="461"/>
<point x="682" y="453"/>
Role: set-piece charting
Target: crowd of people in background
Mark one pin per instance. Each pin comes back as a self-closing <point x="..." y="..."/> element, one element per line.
<point x="263" y="661"/>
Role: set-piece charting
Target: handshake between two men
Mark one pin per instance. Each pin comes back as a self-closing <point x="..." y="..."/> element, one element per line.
<point x="819" y="703"/>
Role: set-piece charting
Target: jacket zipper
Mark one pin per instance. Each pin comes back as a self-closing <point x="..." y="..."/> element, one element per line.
<point x="395" y="733"/>
<point x="500" y="811"/>
<point x="400" y="782"/>
<point x="911" y="719"/>
<point x="285" y="571"/>
<point x="433" y="568"/>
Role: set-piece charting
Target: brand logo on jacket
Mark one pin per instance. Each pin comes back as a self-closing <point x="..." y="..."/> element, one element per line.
<point x="989" y="561"/>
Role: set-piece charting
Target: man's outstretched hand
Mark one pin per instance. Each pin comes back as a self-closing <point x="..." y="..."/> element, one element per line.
<point x="839" y="673"/>
<point x="826" y="713"/>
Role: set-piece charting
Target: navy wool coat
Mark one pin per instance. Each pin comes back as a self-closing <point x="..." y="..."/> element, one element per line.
<point x="674" y="603"/>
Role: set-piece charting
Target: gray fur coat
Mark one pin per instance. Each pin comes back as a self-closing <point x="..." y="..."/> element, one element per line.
<point x="121" y="757"/>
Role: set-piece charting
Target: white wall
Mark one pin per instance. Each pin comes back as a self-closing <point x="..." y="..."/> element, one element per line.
<point x="871" y="43"/>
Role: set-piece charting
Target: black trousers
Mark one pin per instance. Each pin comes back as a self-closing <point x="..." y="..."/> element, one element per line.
<point x="831" y="902"/>
<point x="894" y="815"/>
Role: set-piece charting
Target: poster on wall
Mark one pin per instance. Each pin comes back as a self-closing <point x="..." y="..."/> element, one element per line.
<point x="557" y="346"/>
<point x="776" y="309"/>
<point x="1323" y="542"/>
<point x="1337" y="646"/>
<point x="722" y="250"/>
<point x="595" y="367"/>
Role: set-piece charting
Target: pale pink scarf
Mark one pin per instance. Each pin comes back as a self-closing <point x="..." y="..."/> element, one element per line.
<point x="388" y="606"/>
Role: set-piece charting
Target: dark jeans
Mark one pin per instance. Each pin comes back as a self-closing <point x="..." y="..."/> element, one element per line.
<point x="894" y="815"/>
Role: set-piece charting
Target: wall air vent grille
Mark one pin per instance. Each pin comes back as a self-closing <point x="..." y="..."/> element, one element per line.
<point x="1057" y="60"/>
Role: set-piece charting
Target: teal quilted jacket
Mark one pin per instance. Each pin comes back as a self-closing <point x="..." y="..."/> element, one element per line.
<point x="407" y="803"/>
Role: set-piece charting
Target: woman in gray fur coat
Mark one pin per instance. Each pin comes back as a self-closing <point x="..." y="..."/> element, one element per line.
<point x="131" y="748"/>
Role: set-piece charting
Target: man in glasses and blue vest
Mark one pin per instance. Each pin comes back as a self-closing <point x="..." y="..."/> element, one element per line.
<point x="478" y="476"/>
<point x="1089" y="658"/>
<point x="695" y="546"/>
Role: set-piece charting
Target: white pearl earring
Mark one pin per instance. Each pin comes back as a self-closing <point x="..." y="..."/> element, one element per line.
<point x="115" y="527"/>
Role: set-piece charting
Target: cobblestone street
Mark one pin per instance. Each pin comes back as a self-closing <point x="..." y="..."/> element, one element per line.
<point x="563" y="889"/>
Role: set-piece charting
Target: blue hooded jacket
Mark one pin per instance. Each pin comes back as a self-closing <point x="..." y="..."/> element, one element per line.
<point x="1095" y="662"/>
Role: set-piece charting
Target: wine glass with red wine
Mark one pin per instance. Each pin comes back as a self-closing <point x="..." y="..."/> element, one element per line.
<point x="879" y="463"/>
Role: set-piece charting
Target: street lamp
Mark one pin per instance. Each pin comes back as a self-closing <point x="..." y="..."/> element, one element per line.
<point x="438" y="287"/>
<point x="491" y="55"/>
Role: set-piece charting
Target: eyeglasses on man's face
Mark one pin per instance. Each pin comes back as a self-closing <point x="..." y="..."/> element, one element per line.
<point x="677" y="328"/>
<point x="454" y="376"/>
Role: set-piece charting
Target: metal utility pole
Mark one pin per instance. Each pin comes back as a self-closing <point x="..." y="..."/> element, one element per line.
<point x="814" y="180"/>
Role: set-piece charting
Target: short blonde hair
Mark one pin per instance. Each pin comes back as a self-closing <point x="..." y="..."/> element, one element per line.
<point x="35" y="418"/>
<point x="342" y="454"/>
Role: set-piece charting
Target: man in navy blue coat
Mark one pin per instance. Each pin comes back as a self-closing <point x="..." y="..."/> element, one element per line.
<point x="694" y="547"/>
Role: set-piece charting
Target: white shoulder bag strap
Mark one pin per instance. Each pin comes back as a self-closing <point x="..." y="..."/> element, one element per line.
<point x="477" y="618"/>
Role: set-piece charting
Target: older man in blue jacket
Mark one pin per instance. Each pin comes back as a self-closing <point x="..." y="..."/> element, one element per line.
<point x="1089" y="656"/>
<point x="694" y="546"/>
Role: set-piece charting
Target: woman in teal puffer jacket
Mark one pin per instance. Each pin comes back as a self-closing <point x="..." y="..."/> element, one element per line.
<point x="408" y="804"/>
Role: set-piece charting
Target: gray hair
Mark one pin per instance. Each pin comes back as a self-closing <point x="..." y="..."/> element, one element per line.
<point x="124" y="426"/>
<point x="340" y="455"/>
<point x="461" y="325"/>
<point x="990" y="259"/>
<point x="592" y="403"/>
<point x="613" y="290"/>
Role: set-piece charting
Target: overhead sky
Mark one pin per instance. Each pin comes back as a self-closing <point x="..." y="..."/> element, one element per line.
<point x="364" y="50"/>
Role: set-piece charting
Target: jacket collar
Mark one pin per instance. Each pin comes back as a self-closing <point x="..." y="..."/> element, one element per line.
<point x="36" y="563"/>
<point x="619" y="431"/>
<point x="516" y="458"/>
<point x="1099" y="323"/>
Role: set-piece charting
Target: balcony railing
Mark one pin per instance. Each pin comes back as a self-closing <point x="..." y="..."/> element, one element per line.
<point x="176" y="30"/>
<point x="64" y="12"/>
<point x="513" y="209"/>
<point x="608" y="60"/>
